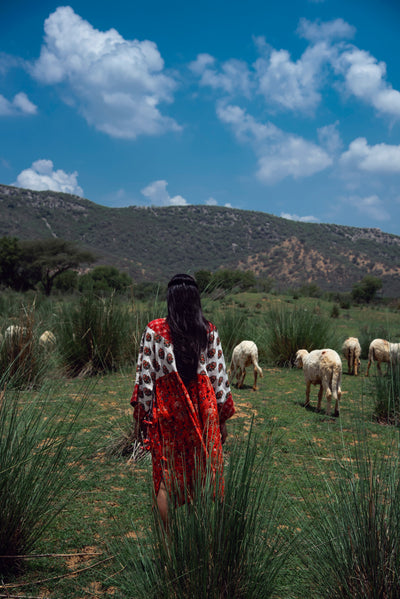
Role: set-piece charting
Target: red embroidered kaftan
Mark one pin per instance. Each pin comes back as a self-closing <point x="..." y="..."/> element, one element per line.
<point x="183" y="424"/>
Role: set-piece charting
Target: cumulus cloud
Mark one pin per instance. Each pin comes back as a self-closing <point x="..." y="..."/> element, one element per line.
<point x="302" y="219"/>
<point x="329" y="138"/>
<point x="365" y="78"/>
<point x="280" y="154"/>
<point x="19" y="105"/>
<point x="381" y="158"/>
<point x="233" y="76"/>
<point x="371" y="206"/>
<point x="327" y="30"/>
<point x="297" y="85"/>
<point x="116" y="84"/>
<point x="292" y="85"/>
<point x="41" y="176"/>
<point x="158" y="195"/>
<point x="211" y="202"/>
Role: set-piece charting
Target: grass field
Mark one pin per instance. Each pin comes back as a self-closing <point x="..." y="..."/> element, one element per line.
<point x="74" y="560"/>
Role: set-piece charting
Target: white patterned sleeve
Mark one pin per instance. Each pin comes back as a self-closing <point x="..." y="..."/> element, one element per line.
<point x="216" y="368"/>
<point x="144" y="381"/>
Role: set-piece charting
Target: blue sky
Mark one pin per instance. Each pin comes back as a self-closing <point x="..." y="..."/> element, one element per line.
<point x="290" y="107"/>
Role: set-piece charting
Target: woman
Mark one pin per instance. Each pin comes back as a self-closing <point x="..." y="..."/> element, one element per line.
<point x="181" y="393"/>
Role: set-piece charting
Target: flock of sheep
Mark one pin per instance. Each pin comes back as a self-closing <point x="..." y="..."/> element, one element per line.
<point x="15" y="334"/>
<point x="321" y="367"/>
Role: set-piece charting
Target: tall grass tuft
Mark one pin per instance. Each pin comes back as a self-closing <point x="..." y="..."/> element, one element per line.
<point x="35" y="470"/>
<point x="218" y="547"/>
<point x="370" y="332"/>
<point x="233" y="327"/>
<point x="21" y="357"/>
<point x="385" y="391"/>
<point x="94" y="335"/>
<point x="290" y="329"/>
<point x="353" y="542"/>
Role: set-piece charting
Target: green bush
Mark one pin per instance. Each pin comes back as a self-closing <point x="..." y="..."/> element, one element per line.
<point x="95" y="335"/>
<point x="385" y="391"/>
<point x="370" y="332"/>
<point x="219" y="546"/>
<point x="35" y="468"/>
<point x="352" y="549"/>
<point x="22" y="360"/>
<point x="290" y="329"/>
<point x="233" y="326"/>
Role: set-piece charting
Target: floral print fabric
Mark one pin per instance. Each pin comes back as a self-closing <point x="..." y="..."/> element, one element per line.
<point x="183" y="423"/>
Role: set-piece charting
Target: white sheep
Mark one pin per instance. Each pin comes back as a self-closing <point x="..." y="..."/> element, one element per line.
<point x="322" y="367"/>
<point x="243" y="355"/>
<point x="47" y="340"/>
<point x="381" y="350"/>
<point x="14" y="332"/>
<point x="352" y="352"/>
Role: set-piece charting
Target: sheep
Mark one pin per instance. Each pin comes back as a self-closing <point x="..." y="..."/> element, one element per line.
<point x="381" y="350"/>
<point x="47" y="340"/>
<point x="14" y="332"/>
<point x="352" y="352"/>
<point x="322" y="367"/>
<point x="243" y="355"/>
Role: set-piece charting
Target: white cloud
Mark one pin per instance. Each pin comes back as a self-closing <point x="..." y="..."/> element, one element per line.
<point x="297" y="85"/>
<point x="20" y="105"/>
<point x="280" y="154"/>
<point x="232" y="77"/>
<point x="328" y="30"/>
<point x="302" y="219"/>
<point x="41" y="176"/>
<point x="158" y="195"/>
<point x="244" y="126"/>
<point x="381" y="158"/>
<point x="211" y="202"/>
<point x="329" y="138"/>
<point x="371" y="206"/>
<point x="201" y="64"/>
<point x="292" y="85"/>
<point x="292" y="157"/>
<point x="116" y="84"/>
<point x="364" y="78"/>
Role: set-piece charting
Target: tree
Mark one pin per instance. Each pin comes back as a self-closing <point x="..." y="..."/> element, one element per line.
<point x="48" y="258"/>
<point x="10" y="259"/>
<point x="203" y="279"/>
<point x="105" y="278"/>
<point x="365" y="290"/>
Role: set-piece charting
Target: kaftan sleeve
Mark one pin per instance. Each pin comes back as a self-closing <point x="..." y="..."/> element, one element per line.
<point x="216" y="370"/>
<point x="143" y="392"/>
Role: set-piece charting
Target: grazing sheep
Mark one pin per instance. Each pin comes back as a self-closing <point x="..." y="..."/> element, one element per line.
<point x="322" y="367"/>
<point x="381" y="350"/>
<point x="47" y="340"/>
<point x="243" y="355"/>
<point x="352" y="352"/>
<point x="14" y="331"/>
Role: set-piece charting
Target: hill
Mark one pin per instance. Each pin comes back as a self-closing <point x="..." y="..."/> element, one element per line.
<point x="154" y="243"/>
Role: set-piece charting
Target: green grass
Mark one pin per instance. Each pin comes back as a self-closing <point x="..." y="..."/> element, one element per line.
<point x="112" y="505"/>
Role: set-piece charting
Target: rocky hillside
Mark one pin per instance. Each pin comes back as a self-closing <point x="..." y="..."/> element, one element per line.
<point x="153" y="243"/>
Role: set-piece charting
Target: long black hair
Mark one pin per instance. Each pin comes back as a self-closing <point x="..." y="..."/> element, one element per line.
<point x="187" y="324"/>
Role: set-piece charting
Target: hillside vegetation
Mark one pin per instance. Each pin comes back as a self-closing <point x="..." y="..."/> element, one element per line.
<point x="153" y="243"/>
